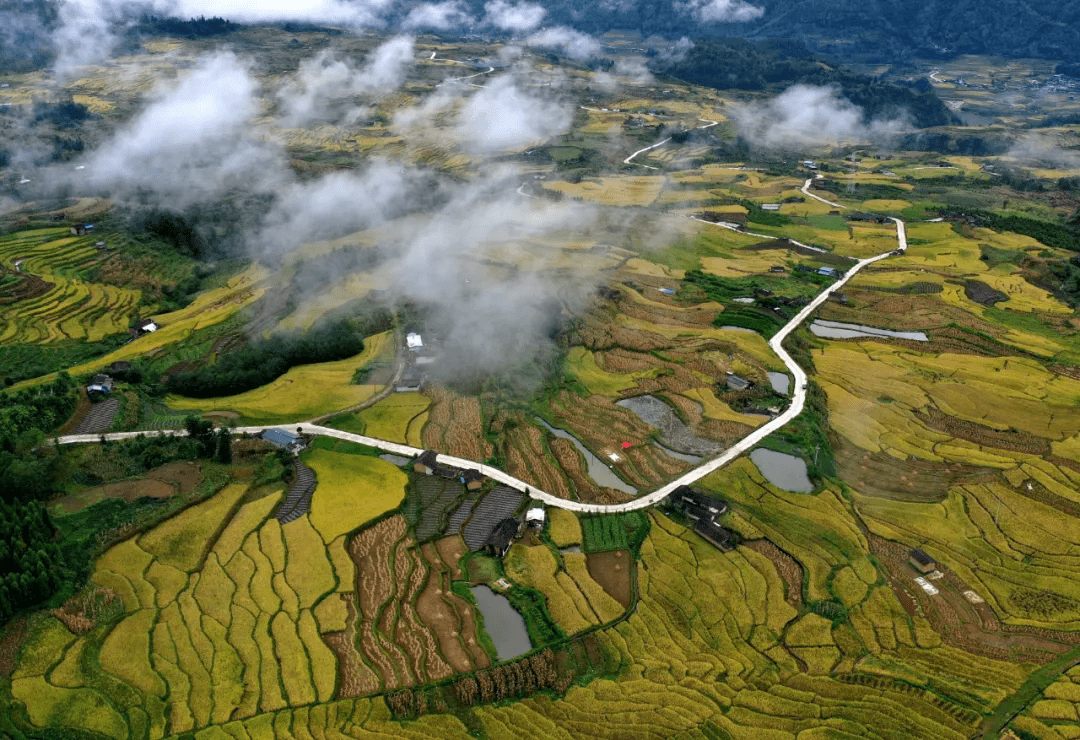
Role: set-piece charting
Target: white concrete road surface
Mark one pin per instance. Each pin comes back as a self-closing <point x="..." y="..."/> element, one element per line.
<point x="798" y="401"/>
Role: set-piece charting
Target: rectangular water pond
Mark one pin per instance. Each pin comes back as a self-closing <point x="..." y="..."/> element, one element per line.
<point x="503" y="623"/>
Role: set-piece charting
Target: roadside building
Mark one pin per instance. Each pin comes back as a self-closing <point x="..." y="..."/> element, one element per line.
<point x="145" y="326"/>
<point x="721" y="538"/>
<point x="921" y="561"/>
<point x="472" y="479"/>
<point x="411" y="380"/>
<point x="283" y="439"/>
<point x="830" y="272"/>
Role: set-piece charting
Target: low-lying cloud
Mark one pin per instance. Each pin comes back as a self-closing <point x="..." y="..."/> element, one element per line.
<point x="720" y="11"/>
<point x="806" y="116"/>
<point x="437" y="17"/>
<point x="574" y="44"/>
<point x="504" y="117"/>
<point x="519" y="17"/>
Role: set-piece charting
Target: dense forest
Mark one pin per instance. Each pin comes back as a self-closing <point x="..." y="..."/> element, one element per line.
<point x="264" y="360"/>
<point x="774" y="65"/>
<point x="27" y="468"/>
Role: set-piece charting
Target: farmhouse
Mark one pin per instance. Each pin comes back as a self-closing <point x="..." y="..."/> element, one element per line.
<point x="144" y="326"/>
<point x="714" y="533"/>
<point x="100" y="384"/>
<point x="697" y="506"/>
<point x="413" y="341"/>
<point x="500" y="539"/>
<point x="411" y="380"/>
<point x="428" y="464"/>
<point x="829" y="272"/>
<point x="770" y="206"/>
<point x="776" y="268"/>
<point x="472" y="479"/>
<point x="921" y="561"/>
<point x="283" y="439"/>
<point x="727" y="217"/>
<point x="735" y="383"/>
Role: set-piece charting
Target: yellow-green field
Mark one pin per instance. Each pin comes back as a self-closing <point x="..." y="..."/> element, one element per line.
<point x="352" y="489"/>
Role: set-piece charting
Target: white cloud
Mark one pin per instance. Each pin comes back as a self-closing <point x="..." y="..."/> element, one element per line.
<point x="807" y="116"/>
<point x="437" y="17"/>
<point x="721" y="11"/>
<point x="503" y="117"/>
<point x="575" y="44"/>
<point x="519" y="17"/>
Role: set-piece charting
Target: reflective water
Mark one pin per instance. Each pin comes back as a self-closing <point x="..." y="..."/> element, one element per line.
<point x="780" y="382"/>
<point x="395" y="459"/>
<point x="598" y="469"/>
<point x="782" y="470"/>
<point x="502" y="622"/>
<point x="840" y="330"/>
<point x="738" y="328"/>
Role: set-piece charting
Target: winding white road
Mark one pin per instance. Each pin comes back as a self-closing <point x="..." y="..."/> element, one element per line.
<point x="798" y="401"/>
<point x="629" y="160"/>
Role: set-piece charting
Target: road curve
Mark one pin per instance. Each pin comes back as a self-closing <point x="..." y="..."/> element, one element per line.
<point x="798" y="402"/>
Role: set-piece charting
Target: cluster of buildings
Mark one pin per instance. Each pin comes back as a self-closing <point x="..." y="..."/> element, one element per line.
<point x="704" y="511"/>
<point x="418" y="360"/>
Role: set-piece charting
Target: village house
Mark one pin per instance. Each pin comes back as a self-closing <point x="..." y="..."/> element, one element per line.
<point x="144" y="326"/>
<point x="500" y="539"/>
<point x="728" y="217"/>
<point x="921" y="561"/>
<point x="714" y="533"/>
<point x="472" y="479"/>
<point x="830" y="272"/>
<point x="535" y="517"/>
<point x="427" y="463"/>
<point x="283" y="439"/>
<point x="100" y="383"/>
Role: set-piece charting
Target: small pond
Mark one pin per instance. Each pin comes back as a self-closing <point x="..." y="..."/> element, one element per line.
<point x="675" y="435"/>
<point x="396" y="459"/>
<point x="503" y="623"/>
<point x="570" y="549"/>
<point x="783" y="471"/>
<point x="840" y="330"/>
<point x="779" y="382"/>
<point x="598" y="470"/>
<point x="738" y="328"/>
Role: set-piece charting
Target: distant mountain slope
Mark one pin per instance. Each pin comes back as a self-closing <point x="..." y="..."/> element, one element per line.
<point x="854" y="28"/>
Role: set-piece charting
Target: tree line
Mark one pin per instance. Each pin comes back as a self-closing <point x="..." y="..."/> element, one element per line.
<point x="267" y="359"/>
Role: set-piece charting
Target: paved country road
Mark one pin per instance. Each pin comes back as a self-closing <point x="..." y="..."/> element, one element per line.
<point x="798" y="401"/>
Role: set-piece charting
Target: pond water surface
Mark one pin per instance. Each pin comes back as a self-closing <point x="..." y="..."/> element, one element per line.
<point x="780" y="382"/>
<point x="840" y="330"/>
<point x="395" y="459"/>
<point x="503" y="623"/>
<point x="738" y="328"/>
<point x="782" y="470"/>
<point x="598" y="469"/>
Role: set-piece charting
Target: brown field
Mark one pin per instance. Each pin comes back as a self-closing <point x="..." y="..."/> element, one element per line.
<point x="163" y="482"/>
<point x="184" y="474"/>
<point x="527" y="458"/>
<point x="355" y="677"/>
<point x="455" y="425"/>
<point x="449" y="617"/>
<point x="788" y="568"/>
<point x="612" y="571"/>
<point x="451" y="550"/>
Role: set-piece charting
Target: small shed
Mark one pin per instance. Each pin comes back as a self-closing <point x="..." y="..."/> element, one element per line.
<point x="776" y="268"/>
<point x="283" y="439"/>
<point x="735" y="383"/>
<point x="829" y="272"/>
<point x="411" y="380"/>
<point x="472" y="479"/>
<point x="145" y="326"/>
<point x="921" y="561"/>
<point x="500" y="539"/>
<point x="413" y="341"/>
<point x="535" y="517"/>
<point x="770" y="206"/>
<point x="425" y="463"/>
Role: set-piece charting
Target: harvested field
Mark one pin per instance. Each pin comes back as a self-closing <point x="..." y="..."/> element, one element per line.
<point x="355" y="677"/>
<point x="455" y="425"/>
<point x="451" y="550"/>
<point x="449" y="616"/>
<point x="162" y="482"/>
<point x="612" y="571"/>
<point x="786" y="566"/>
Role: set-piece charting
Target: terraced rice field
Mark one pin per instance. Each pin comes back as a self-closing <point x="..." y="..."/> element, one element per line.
<point x="73" y="308"/>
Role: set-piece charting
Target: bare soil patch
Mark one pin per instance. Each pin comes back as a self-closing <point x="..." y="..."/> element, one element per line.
<point x="788" y="567"/>
<point x="129" y="490"/>
<point x="612" y="571"/>
<point x="449" y="617"/>
<point x="184" y="474"/>
<point x="355" y="678"/>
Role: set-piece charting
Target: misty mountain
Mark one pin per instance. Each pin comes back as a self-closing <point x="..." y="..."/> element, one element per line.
<point x="852" y="29"/>
<point x="775" y="65"/>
